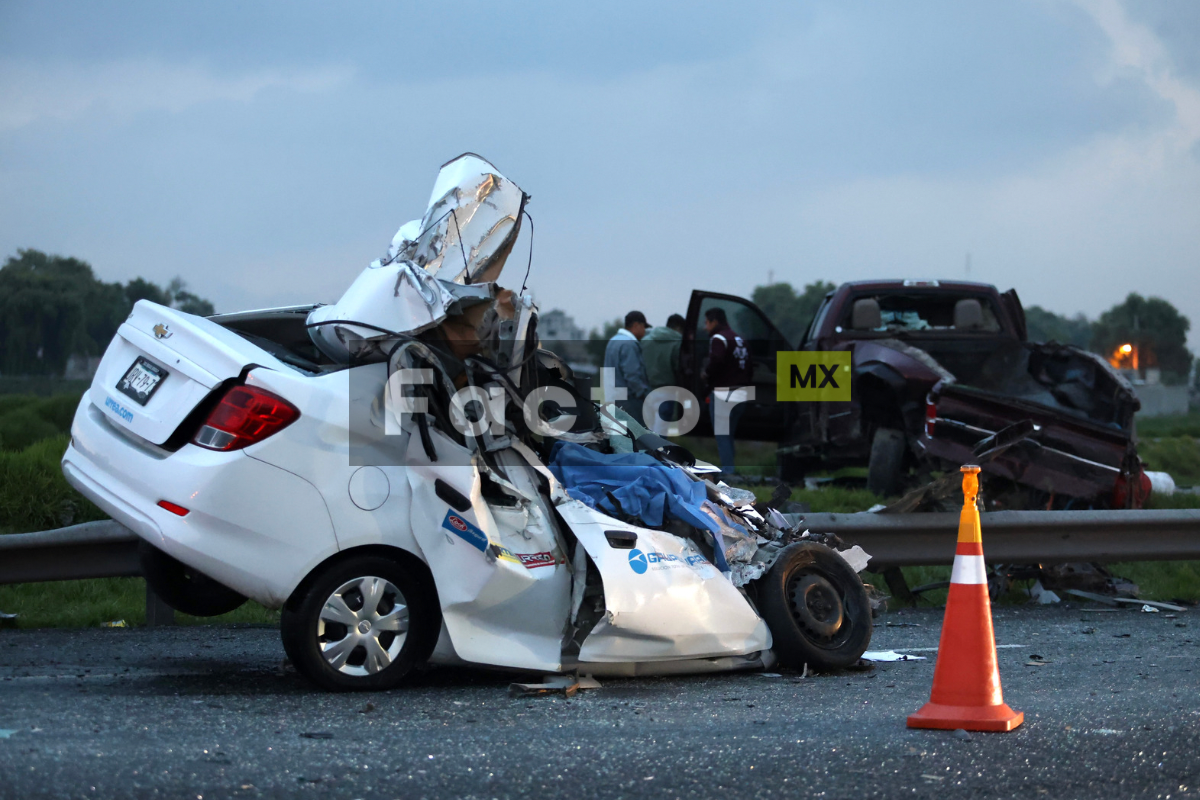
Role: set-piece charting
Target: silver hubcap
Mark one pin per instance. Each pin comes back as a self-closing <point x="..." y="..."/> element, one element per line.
<point x="363" y="626"/>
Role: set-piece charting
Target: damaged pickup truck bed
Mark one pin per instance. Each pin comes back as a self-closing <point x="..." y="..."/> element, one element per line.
<point x="942" y="374"/>
<point x="412" y="479"/>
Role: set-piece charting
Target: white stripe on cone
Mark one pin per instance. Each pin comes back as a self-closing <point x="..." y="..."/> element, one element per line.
<point x="968" y="569"/>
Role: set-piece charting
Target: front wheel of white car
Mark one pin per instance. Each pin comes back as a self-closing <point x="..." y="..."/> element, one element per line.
<point x="362" y="625"/>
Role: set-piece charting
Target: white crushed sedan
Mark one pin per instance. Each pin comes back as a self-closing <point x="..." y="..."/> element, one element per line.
<point x="412" y="479"/>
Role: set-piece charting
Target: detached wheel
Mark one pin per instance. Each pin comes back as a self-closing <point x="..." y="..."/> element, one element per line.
<point x="183" y="588"/>
<point x="816" y="607"/>
<point x="363" y="625"/>
<point x="885" y="469"/>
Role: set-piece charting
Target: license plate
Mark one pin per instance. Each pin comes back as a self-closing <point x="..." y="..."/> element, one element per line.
<point x="141" y="381"/>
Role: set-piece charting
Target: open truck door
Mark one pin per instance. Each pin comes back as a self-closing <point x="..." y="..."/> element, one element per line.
<point x="764" y="419"/>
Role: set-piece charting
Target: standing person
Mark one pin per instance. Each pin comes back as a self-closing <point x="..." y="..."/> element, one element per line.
<point x="660" y="351"/>
<point x="728" y="373"/>
<point x="623" y="355"/>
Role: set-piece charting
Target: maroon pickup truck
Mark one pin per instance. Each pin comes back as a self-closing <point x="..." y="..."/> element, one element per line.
<point x="942" y="375"/>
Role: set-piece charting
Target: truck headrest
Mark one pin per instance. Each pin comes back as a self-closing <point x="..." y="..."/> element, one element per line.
<point x="968" y="315"/>
<point x="865" y="315"/>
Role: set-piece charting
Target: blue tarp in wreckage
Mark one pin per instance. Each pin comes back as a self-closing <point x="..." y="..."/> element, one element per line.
<point x="644" y="487"/>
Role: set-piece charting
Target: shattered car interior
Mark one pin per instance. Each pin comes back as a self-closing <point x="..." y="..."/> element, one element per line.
<point x="480" y="509"/>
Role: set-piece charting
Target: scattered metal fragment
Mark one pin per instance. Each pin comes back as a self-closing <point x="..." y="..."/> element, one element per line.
<point x="1099" y="598"/>
<point x="568" y="685"/>
<point x="889" y="655"/>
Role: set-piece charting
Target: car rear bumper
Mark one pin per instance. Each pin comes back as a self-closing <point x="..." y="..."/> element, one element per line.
<point x="251" y="526"/>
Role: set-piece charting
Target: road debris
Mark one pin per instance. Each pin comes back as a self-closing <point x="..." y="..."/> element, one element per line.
<point x="1043" y="595"/>
<point x="1149" y="609"/>
<point x="1123" y="601"/>
<point x="8" y="620"/>
<point x="889" y="655"/>
<point x="116" y="623"/>
<point x="1037" y="661"/>
<point x="316" y="735"/>
<point x="567" y="685"/>
<point x="6" y="733"/>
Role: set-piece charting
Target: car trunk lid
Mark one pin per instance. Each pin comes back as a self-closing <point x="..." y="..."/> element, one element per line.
<point x="162" y="364"/>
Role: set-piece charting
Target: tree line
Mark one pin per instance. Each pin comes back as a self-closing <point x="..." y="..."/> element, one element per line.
<point x="53" y="307"/>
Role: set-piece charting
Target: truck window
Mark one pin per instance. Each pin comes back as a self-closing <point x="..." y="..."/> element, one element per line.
<point x="815" y="326"/>
<point x="924" y="312"/>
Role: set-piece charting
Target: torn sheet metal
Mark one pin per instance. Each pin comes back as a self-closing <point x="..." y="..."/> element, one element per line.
<point x="470" y="226"/>
<point x="472" y="222"/>
<point x="663" y="599"/>
<point x="504" y="590"/>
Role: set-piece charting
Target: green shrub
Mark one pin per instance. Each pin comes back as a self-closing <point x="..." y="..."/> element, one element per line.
<point x="59" y="410"/>
<point x="21" y="428"/>
<point x="14" y="402"/>
<point x="1173" y="425"/>
<point x="34" y="495"/>
<point x="1177" y="455"/>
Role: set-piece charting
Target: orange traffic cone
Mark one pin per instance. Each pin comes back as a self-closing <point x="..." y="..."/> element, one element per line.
<point x="966" y="683"/>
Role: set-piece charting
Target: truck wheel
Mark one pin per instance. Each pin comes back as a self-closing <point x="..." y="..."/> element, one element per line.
<point x="183" y="588"/>
<point x="362" y="625"/>
<point x="885" y="468"/>
<point x="816" y="608"/>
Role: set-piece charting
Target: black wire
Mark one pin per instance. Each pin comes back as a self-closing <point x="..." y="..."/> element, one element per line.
<point x="359" y="324"/>
<point x="458" y="230"/>
<point x="528" y="266"/>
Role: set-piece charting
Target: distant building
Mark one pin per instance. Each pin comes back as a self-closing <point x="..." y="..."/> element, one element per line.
<point x="559" y="333"/>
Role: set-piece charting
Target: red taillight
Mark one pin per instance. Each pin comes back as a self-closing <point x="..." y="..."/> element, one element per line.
<point x="173" y="508"/>
<point x="244" y="416"/>
<point x="930" y="415"/>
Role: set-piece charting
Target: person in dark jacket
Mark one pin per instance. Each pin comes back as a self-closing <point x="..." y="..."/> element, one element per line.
<point x="729" y="374"/>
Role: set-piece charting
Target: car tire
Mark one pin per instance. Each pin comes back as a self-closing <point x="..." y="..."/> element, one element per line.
<point x="184" y="589"/>
<point x="816" y="607"/>
<point x="363" y="624"/>
<point x="886" y="464"/>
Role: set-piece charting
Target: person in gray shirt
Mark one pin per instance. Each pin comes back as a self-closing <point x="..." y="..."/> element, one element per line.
<point x="623" y="355"/>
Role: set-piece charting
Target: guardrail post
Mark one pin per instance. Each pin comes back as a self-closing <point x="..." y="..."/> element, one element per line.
<point x="157" y="612"/>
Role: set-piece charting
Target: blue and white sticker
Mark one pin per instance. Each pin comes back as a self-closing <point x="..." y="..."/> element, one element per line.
<point x="640" y="561"/>
<point x="121" y="411"/>
<point x="464" y="530"/>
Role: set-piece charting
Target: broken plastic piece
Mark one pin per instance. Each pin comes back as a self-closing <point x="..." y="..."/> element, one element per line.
<point x="856" y="557"/>
<point x="889" y="655"/>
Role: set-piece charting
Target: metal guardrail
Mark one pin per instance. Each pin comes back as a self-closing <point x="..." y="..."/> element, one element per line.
<point x="110" y="550"/>
<point x="1020" y="537"/>
<point x="105" y="549"/>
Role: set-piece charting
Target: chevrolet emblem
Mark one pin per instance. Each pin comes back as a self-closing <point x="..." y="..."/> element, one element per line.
<point x="161" y="331"/>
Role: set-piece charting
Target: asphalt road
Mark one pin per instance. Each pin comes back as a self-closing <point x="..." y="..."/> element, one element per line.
<point x="211" y="712"/>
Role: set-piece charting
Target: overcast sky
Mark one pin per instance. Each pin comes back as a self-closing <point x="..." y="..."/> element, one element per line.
<point x="267" y="152"/>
